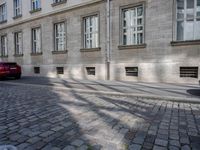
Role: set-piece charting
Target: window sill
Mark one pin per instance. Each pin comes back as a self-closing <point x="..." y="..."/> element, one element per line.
<point x="185" y="43"/>
<point x="4" y="56"/>
<point x="18" y="55"/>
<point x="124" y="47"/>
<point x="59" y="52"/>
<point x="36" y="54"/>
<point x="4" y="21"/>
<point x="90" y="49"/>
<point x="58" y="3"/>
<point x="35" y="10"/>
<point x="18" y="16"/>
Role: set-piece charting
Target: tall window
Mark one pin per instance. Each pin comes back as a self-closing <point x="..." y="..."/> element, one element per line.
<point x="133" y="25"/>
<point x="91" y="32"/>
<point x="18" y="43"/>
<point x="4" y="50"/>
<point x="36" y="40"/>
<point x="188" y="20"/>
<point x="3" y="16"/>
<point x="60" y="42"/>
<point x="17" y="7"/>
<point x="35" y="5"/>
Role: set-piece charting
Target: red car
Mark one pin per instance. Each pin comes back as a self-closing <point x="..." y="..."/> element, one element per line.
<point x="10" y="69"/>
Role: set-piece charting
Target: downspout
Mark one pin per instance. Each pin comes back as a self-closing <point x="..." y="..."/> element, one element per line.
<point x="108" y="59"/>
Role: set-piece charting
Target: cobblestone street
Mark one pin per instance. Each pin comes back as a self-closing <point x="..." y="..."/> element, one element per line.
<point x="43" y="118"/>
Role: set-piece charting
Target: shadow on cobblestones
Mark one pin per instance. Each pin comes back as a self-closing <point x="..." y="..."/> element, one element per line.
<point x="31" y="118"/>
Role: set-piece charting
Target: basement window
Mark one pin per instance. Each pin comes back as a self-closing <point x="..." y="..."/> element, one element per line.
<point x="60" y="70"/>
<point x="90" y="71"/>
<point x="189" y="72"/>
<point x="131" y="71"/>
<point x="37" y="70"/>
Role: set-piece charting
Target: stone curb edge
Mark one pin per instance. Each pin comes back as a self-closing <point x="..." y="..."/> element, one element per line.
<point x="138" y="96"/>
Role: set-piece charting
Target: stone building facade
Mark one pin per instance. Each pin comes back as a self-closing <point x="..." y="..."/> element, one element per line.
<point x="131" y="40"/>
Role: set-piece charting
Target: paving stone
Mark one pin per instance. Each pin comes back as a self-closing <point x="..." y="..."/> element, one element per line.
<point x="185" y="147"/>
<point x="135" y="147"/>
<point x="159" y="148"/>
<point x="69" y="148"/>
<point x="77" y="142"/>
<point x="173" y="148"/>
<point x="174" y="143"/>
<point x="161" y="142"/>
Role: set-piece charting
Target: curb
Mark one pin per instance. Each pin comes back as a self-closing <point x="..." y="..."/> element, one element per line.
<point x="138" y="96"/>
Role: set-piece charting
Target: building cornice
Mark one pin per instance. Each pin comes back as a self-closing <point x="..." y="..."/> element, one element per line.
<point x="60" y="11"/>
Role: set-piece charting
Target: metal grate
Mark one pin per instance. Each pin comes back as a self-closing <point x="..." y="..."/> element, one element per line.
<point x="131" y="71"/>
<point x="90" y="71"/>
<point x="37" y="70"/>
<point x="60" y="70"/>
<point x="189" y="72"/>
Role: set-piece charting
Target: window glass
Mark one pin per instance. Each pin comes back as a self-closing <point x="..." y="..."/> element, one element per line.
<point x="197" y="31"/>
<point x="180" y="9"/>
<point x="190" y="9"/>
<point x="180" y="30"/>
<point x="189" y="30"/>
<point x="198" y="8"/>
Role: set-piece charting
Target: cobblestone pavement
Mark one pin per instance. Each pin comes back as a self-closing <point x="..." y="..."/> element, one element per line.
<point x="41" y="118"/>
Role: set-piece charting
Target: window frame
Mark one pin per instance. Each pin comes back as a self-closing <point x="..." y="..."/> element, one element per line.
<point x="20" y="52"/>
<point x="15" y="8"/>
<point x="121" y="33"/>
<point x="3" y="15"/>
<point x="97" y="14"/>
<point x="175" y="20"/>
<point x="54" y="36"/>
<point x="5" y="46"/>
<point x="32" y="41"/>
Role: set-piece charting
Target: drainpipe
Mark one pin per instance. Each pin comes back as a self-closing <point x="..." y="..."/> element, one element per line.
<point x="108" y="59"/>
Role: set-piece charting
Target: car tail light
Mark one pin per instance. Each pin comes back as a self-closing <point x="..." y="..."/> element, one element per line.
<point x="1" y="68"/>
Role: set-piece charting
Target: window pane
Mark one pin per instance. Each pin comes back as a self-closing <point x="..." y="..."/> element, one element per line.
<point x="180" y="30"/>
<point x="180" y="9"/>
<point x="197" y="30"/>
<point x="190" y="9"/>
<point x="189" y="30"/>
<point x="198" y="8"/>
<point x="140" y="11"/>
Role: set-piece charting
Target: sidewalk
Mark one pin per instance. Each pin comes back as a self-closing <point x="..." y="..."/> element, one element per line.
<point x="160" y="90"/>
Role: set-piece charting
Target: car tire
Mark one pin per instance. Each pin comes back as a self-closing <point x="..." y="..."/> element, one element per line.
<point x="18" y="76"/>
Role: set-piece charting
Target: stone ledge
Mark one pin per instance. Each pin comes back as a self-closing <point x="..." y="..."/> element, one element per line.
<point x="18" y="55"/>
<point x="35" y="10"/>
<point x="90" y="49"/>
<point x="36" y="54"/>
<point x="124" y="47"/>
<point x="18" y="16"/>
<point x="185" y="43"/>
<point x="60" y="52"/>
<point x="58" y="3"/>
<point x="4" y="21"/>
<point x="4" y="56"/>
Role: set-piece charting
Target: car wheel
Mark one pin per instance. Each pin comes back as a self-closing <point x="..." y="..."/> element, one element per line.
<point x="18" y="76"/>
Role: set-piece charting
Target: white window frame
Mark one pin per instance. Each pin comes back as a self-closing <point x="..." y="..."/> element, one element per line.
<point x="36" y="40"/>
<point x="4" y="48"/>
<point x="185" y="19"/>
<point x="91" y="31"/>
<point x="17" y="5"/>
<point x="18" y="42"/>
<point x="3" y="12"/>
<point x="35" y="5"/>
<point x="132" y="25"/>
<point x="59" y="36"/>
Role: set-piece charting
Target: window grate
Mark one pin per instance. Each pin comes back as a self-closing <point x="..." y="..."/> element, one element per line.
<point x="37" y="70"/>
<point x="189" y="72"/>
<point x="131" y="71"/>
<point x="60" y="70"/>
<point x="90" y="71"/>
